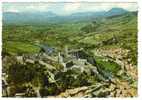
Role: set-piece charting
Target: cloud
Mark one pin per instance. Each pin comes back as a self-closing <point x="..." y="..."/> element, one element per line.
<point x="37" y="7"/>
<point x="21" y="7"/>
<point x="66" y="8"/>
<point x="71" y="7"/>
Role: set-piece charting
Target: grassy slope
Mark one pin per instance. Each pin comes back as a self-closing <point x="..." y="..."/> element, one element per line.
<point x="123" y="28"/>
<point x="18" y="39"/>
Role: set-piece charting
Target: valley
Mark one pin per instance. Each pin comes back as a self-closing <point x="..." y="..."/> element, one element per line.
<point x="81" y="55"/>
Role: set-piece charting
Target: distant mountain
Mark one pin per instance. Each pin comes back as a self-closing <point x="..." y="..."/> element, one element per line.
<point x="88" y="14"/>
<point x="50" y="17"/>
<point x="27" y="17"/>
<point x="116" y="11"/>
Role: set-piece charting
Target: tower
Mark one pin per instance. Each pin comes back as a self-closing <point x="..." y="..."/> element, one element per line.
<point x="66" y="51"/>
<point x="60" y="59"/>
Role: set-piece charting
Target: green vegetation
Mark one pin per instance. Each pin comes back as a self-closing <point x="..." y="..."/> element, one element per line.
<point x="20" y="47"/>
<point x="46" y="75"/>
<point x="108" y="66"/>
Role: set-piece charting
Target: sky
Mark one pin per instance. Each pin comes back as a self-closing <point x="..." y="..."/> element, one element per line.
<point x="65" y="8"/>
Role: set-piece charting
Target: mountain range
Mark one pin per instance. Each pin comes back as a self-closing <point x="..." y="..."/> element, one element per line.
<point x="50" y="17"/>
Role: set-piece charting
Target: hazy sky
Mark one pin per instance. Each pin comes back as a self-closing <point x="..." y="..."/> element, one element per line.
<point x="65" y="8"/>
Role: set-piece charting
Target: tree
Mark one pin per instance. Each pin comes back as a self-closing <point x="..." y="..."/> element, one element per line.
<point x="90" y="27"/>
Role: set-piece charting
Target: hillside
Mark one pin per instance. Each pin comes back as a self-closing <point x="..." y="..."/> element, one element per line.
<point x="81" y="55"/>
